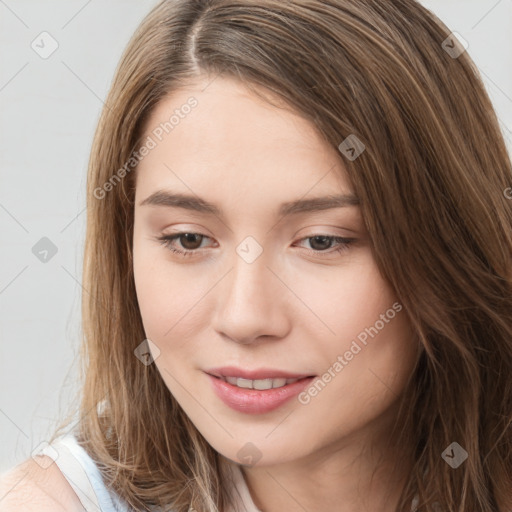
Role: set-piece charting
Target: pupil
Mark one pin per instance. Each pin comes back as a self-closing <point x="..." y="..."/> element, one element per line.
<point x="322" y="246"/>
<point x="189" y="237"/>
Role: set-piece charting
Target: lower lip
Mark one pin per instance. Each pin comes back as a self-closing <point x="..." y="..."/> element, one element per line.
<point x="254" y="401"/>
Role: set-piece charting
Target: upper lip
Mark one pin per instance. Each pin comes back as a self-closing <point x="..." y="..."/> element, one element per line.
<point x="261" y="373"/>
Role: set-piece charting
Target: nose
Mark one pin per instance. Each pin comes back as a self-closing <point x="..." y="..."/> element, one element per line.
<point x="253" y="303"/>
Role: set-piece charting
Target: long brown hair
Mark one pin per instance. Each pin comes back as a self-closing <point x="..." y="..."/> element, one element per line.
<point x="432" y="184"/>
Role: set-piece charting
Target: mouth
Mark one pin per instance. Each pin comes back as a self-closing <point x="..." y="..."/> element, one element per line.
<point x="259" y="384"/>
<point x="260" y="379"/>
<point x="257" y="396"/>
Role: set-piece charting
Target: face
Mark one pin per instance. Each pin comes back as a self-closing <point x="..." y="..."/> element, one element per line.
<point x="247" y="280"/>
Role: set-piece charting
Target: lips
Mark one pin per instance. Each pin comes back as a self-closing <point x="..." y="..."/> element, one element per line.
<point x="255" y="401"/>
<point x="256" y="391"/>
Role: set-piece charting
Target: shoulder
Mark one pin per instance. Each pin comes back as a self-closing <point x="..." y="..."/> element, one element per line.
<point x="30" y="486"/>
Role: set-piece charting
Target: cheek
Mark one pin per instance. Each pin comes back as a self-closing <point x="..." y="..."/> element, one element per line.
<point x="168" y="294"/>
<point x="167" y="313"/>
<point x="348" y="299"/>
<point x="365" y="383"/>
<point x="369" y="330"/>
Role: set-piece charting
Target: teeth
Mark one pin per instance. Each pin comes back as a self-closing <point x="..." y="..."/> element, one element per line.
<point x="259" y="384"/>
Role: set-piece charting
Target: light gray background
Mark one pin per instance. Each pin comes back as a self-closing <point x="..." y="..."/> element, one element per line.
<point x="49" y="110"/>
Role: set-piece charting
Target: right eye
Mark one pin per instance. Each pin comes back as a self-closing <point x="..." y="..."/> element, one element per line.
<point x="186" y="238"/>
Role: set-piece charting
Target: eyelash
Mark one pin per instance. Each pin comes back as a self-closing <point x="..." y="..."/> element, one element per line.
<point x="166" y="241"/>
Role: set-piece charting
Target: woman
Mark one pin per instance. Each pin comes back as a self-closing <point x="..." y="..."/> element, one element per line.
<point x="298" y="269"/>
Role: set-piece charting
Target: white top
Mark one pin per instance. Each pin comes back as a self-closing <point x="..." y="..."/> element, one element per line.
<point x="83" y="475"/>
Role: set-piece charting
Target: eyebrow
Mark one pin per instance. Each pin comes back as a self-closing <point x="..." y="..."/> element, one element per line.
<point x="197" y="204"/>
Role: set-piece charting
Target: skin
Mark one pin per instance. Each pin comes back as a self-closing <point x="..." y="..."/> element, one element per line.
<point x="37" y="487"/>
<point x="297" y="307"/>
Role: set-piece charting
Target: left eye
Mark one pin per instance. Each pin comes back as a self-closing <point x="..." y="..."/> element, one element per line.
<point x="323" y="240"/>
<point x="192" y="241"/>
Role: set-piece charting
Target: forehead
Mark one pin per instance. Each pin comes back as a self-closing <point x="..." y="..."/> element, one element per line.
<point x="217" y="134"/>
